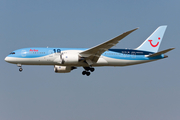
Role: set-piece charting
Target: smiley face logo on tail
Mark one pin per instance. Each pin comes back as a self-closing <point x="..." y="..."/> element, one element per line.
<point x="150" y="41"/>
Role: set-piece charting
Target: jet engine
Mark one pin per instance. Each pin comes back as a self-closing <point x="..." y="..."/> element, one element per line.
<point x="70" y="58"/>
<point x="62" y="69"/>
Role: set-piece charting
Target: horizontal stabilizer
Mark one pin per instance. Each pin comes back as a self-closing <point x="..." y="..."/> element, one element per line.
<point x="161" y="52"/>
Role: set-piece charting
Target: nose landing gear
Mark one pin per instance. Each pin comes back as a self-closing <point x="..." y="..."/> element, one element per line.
<point x="20" y="69"/>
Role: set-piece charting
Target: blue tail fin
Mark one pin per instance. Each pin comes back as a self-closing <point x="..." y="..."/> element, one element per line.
<point x="153" y="42"/>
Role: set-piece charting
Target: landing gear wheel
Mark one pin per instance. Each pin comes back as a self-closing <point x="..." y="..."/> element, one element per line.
<point x="92" y="69"/>
<point x="87" y="70"/>
<point x="20" y="69"/>
<point x="84" y="72"/>
<point x="88" y="73"/>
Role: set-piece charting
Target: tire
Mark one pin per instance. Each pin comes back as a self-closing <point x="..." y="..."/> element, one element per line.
<point x="84" y="72"/>
<point x="92" y="69"/>
<point x="88" y="73"/>
<point x="20" y="69"/>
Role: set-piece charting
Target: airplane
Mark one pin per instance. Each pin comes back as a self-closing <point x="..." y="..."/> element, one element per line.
<point x="65" y="60"/>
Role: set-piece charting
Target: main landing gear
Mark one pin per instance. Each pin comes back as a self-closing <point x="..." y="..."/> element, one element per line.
<point x="20" y="69"/>
<point x="87" y="69"/>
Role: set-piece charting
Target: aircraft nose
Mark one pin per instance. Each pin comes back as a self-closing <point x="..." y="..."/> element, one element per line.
<point x="7" y="59"/>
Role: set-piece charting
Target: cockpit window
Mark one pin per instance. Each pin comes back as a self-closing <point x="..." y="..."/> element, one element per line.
<point x="12" y="53"/>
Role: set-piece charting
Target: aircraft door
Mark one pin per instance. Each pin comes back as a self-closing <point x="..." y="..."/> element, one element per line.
<point x="58" y="55"/>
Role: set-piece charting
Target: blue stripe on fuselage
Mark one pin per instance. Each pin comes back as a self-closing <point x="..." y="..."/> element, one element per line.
<point x="129" y="54"/>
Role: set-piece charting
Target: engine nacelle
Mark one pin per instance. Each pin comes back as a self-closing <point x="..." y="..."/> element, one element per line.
<point x="70" y="58"/>
<point x="62" y="69"/>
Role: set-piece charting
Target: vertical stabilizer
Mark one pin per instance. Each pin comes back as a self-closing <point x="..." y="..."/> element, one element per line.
<point x="153" y="42"/>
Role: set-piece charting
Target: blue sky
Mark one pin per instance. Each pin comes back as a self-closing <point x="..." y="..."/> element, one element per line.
<point x="146" y="91"/>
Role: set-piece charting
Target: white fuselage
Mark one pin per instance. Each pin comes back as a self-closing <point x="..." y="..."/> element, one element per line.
<point x="109" y="58"/>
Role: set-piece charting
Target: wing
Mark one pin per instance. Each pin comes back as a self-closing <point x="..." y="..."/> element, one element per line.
<point x="92" y="55"/>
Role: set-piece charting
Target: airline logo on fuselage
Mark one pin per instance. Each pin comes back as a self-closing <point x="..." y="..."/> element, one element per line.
<point x="23" y="53"/>
<point x="33" y="50"/>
